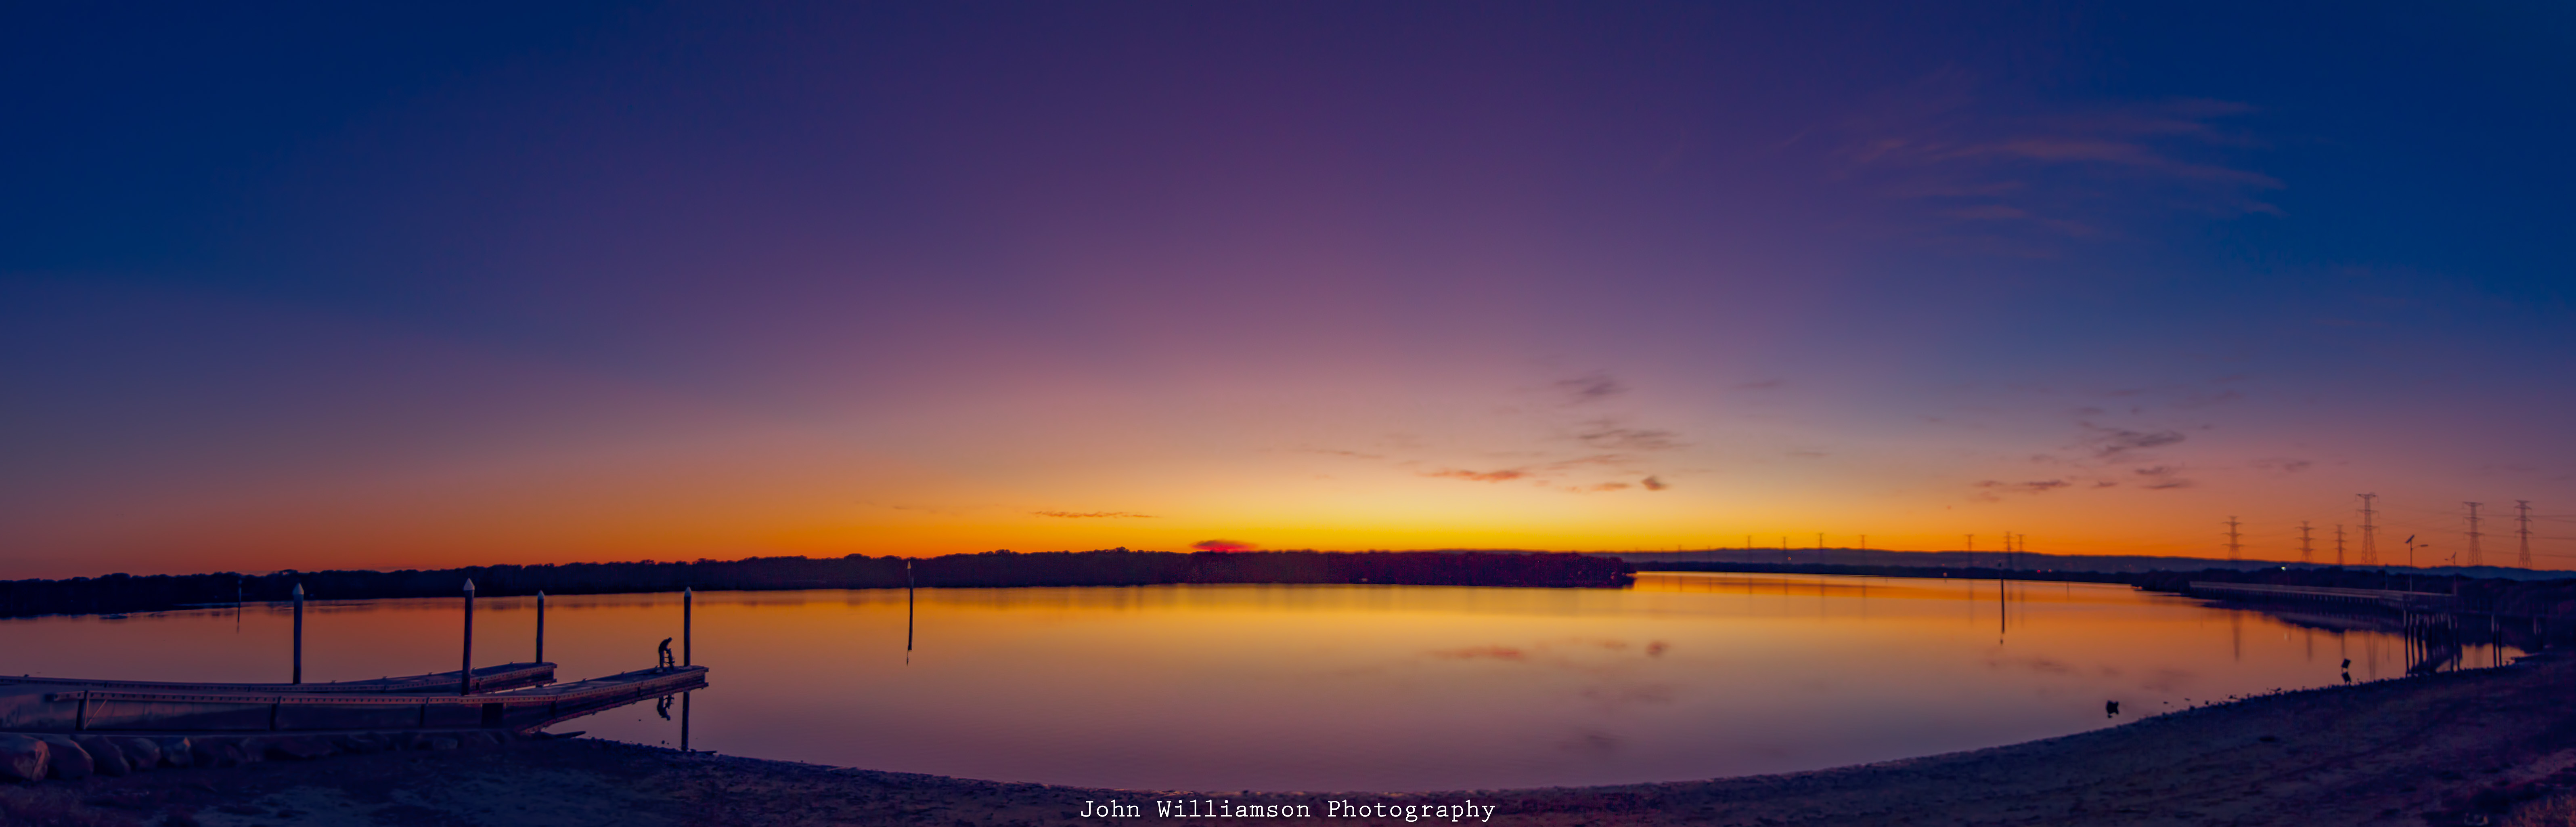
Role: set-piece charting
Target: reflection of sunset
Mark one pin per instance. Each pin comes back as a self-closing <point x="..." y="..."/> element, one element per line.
<point x="1346" y="687"/>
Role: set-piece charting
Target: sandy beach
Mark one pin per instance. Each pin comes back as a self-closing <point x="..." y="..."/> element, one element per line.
<point x="2483" y="747"/>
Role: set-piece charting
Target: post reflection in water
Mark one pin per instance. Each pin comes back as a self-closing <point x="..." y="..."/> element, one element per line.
<point x="1684" y="676"/>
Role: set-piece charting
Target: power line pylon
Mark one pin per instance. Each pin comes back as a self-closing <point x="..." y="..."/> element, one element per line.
<point x="2369" y="549"/>
<point x="2522" y="514"/>
<point x="2235" y="549"/>
<point x="2338" y="545"/>
<point x="2475" y="557"/>
<point x="2307" y="553"/>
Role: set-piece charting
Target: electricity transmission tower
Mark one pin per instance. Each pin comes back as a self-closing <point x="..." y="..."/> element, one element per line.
<point x="2338" y="545"/>
<point x="2235" y="549"/>
<point x="2475" y="558"/>
<point x="2307" y="553"/>
<point x="2369" y="550"/>
<point x="2522" y="514"/>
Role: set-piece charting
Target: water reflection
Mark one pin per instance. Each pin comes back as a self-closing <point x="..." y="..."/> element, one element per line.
<point x="1332" y="687"/>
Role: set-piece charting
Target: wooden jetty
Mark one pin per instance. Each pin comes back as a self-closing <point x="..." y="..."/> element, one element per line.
<point x="69" y="727"/>
<point x="516" y="697"/>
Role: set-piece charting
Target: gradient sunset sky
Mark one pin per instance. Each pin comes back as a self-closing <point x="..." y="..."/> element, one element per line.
<point x="388" y="285"/>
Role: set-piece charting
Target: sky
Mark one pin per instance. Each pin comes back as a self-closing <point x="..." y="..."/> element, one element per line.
<point x="431" y="284"/>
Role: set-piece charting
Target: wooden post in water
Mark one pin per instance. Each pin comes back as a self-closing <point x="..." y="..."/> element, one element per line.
<point x="541" y="625"/>
<point x="688" y="603"/>
<point x="465" y="679"/>
<point x="299" y="633"/>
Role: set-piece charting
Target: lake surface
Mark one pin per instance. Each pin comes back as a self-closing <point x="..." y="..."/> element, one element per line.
<point x="1232" y="687"/>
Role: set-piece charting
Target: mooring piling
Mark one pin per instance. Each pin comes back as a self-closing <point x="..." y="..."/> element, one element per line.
<point x="299" y="633"/>
<point x="465" y="677"/>
<point x="688" y="624"/>
<point x="541" y="626"/>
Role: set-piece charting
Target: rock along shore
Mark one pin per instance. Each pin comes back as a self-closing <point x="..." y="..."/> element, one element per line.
<point x="2483" y="747"/>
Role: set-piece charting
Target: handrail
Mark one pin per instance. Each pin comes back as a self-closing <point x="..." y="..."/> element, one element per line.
<point x="508" y="675"/>
<point x="624" y="683"/>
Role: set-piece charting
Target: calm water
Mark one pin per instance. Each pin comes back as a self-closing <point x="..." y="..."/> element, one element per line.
<point x="1318" y="687"/>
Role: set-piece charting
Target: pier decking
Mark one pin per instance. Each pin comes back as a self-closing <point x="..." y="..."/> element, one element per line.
<point x="487" y="678"/>
<point x="420" y="702"/>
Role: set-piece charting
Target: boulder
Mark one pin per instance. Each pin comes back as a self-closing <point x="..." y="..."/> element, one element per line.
<point x="105" y="756"/>
<point x="437" y="743"/>
<point x="478" y="738"/>
<point x="253" y="750"/>
<point x="215" y="752"/>
<point x="141" y="752"/>
<point x="176" y="752"/>
<point x="23" y="758"/>
<point x="360" y="743"/>
<point x="298" y="747"/>
<point x="69" y="760"/>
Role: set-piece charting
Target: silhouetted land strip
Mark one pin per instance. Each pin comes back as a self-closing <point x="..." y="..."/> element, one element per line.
<point x="2552" y="601"/>
<point x="2498" y="744"/>
<point x="1112" y="567"/>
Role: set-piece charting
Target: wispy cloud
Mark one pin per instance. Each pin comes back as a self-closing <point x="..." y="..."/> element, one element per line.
<point x="2116" y="444"/>
<point x="2286" y="465"/>
<point x="2163" y="477"/>
<point x="1987" y="164"/>
<point x="1084" y="515"/>
<point x="2032" y="487"/>
<point x="1607" y="435"/>
<point x="1591" y="387"/>
<point x="1504" y="475"/>
<point x="1510" y="653"/>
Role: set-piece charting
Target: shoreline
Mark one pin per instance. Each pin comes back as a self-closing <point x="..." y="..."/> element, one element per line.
<point x="2495" y="743"/>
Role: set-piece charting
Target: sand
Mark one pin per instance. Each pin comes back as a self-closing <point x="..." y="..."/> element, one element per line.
<point x="2490" y="746"/>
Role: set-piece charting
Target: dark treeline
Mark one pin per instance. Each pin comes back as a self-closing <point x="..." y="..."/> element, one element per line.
<point x="1954" y="572"/>
<point x="1113" y="567"/>
<point x="2527" y="598"/>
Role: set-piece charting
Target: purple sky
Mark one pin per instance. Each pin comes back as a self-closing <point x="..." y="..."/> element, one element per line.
<point x="438" y="284"/>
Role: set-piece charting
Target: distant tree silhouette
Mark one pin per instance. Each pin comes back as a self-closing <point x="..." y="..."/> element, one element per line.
<point x="1110" y="567"/>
